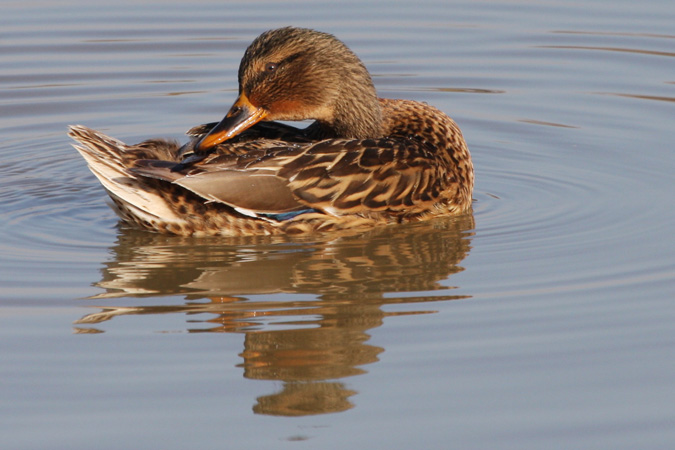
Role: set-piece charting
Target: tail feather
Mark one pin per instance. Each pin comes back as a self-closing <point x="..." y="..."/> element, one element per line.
<point x="134" y="197"/>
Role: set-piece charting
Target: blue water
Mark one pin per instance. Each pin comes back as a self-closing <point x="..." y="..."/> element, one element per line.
<point x="544" y="319"/>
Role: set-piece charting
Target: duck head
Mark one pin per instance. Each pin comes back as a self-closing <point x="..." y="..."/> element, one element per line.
<point x="298" y="74"/>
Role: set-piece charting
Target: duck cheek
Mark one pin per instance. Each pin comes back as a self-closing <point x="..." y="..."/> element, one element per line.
<point x="288" y="110"/>
<point x="299" y="110"/>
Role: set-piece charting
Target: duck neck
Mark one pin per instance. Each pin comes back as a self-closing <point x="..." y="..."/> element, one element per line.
<point x="357" y="113"/>
<point x="356" y="110"/>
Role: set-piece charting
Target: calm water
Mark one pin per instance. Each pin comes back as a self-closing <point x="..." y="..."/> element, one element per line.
<point x="545" y="319"/>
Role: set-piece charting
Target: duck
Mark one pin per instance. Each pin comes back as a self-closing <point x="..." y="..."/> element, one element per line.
<point x="363" y="162"/>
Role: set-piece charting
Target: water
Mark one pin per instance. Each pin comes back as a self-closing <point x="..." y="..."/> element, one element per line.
<point x="542" y="320"/>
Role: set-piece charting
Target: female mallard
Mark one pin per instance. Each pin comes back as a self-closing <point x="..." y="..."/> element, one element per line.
<point x="363" y="162"/>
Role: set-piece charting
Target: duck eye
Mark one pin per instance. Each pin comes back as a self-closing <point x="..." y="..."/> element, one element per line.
<point x="271" y="67"/>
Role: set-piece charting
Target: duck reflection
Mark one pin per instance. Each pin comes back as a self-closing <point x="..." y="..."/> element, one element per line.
<point x="329" y="292"/>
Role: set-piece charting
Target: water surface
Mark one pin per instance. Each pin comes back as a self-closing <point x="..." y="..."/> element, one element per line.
<point x="543" y="319"/>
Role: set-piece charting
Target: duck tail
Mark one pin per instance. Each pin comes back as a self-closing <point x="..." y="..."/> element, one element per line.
<point x="136" y="198"/>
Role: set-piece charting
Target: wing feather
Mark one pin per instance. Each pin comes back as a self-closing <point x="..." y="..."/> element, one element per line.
<point x="336" y="176"/>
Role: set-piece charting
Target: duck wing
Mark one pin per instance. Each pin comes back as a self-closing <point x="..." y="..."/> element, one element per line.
<point x="337" y="176"/>
<point x="396" y="176"/>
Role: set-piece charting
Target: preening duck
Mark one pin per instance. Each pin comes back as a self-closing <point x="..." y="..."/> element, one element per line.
<point x="364" y="161"/>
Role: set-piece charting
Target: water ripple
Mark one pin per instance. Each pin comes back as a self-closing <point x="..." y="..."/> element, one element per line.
<point x="530" y="200"/>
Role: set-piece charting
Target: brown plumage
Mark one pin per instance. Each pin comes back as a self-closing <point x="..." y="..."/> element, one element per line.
<point x="363" y="162"/>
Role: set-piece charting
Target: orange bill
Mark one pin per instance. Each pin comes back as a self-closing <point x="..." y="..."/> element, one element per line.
<point x="241" y="116"/>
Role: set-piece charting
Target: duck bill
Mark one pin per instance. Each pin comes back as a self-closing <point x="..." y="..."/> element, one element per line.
<point x="241" y="116"/>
